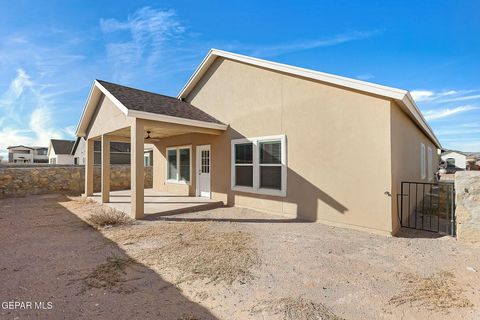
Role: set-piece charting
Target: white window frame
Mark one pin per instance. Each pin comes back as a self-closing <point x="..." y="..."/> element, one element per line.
<point x="430" y="163"/>
<point x="178" y="181"/>
<point x="423" y="173"/>
<point x="256" y="165"/>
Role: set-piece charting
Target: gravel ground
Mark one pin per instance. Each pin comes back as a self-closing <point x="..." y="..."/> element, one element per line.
<point x="175" y="268"/>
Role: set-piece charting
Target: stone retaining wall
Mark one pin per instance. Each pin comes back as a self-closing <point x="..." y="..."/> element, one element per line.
<point x="19" y="181"/>
<point x="467" y="188"/>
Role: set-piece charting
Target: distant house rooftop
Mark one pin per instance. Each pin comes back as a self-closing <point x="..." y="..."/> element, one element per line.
<point x="62" y="146"/>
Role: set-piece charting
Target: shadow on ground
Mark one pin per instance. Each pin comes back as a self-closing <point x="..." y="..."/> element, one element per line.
<point x="51" y="255"/>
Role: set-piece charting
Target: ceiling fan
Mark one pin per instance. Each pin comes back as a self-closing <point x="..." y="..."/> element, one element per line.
<point x="148" y="135"/>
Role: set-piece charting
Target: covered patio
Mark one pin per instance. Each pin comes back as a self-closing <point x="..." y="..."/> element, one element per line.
<point x="123" y="114"/>
<point x="158" y="203"/>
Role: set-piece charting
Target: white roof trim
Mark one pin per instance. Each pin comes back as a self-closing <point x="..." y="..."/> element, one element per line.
<point x="400" y="95"/>
<point x="82" y="117"/>
<point x="83" y="123"/>
<point x="112" y="98"/>
<point x="176" y="120"/>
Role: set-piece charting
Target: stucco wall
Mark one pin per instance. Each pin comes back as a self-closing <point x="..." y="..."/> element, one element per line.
<point x="467" y="187"/>
<point x="62" y="158"/>
<point x="18" y="181"/>
<point x="107" y="118"/>
<point x="338" y="143"/>
<point x="406" y="139"/>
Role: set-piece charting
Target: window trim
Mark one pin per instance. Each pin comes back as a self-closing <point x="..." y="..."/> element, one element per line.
<point x="429" y="164"/>
<point x="177" y="181"/>
<point x="256" y="165"/>
<point x="423" y="171"/>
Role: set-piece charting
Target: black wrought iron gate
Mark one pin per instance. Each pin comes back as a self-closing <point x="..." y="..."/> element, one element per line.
<point x="427" y="206"/>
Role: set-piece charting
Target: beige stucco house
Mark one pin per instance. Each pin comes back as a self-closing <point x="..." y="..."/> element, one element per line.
<point x="272" y="137"/>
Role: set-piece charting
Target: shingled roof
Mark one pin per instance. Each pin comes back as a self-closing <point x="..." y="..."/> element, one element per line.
<point x="62" y="146"/>
<point x="140" y="100"/>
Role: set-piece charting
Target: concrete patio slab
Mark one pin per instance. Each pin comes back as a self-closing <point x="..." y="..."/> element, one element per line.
<point x="158" y="203"/>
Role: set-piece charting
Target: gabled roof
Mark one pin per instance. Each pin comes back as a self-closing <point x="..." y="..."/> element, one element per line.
<point x="145" y="105"/>
<point x="75" y="146"/>
<point x="62" y="146"/>
<point x="402" y="97"/>
<point x="19" y="146"/>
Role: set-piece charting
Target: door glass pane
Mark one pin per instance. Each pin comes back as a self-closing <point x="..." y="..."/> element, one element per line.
<point x="270" y="152"/>
<point x="172" y="164"/>
<point x="185" y="164"/>
<point x="244" y="176"/>
<point x="271" y="177"/>
<point x="205" y="165"/>
<point x="244" y="153"/>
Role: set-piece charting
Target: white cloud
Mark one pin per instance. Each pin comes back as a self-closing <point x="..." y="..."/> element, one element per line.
<point x="149" y="31"/>
<point x="15" y="89"/>
<point x="34" y="128"/>
<point x="278" y="49"/>
<point x="70" y="131"/>
<point x="468" y="146"/>
<point x="422" y="95"/>
<point x="463" y="98"/>
<point x="447" y="112"/>
<point x="443" y="96"/>
<point x="365" y="76"/>
<point x="42" y="127"/>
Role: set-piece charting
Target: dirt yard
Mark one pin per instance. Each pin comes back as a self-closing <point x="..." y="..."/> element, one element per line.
<point x="226" y="263"/>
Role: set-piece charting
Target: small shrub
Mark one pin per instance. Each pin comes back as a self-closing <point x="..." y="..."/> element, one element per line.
<point x="437" y="292"/>
<point x="106" y="216"/>
<point x="296" y="309"/>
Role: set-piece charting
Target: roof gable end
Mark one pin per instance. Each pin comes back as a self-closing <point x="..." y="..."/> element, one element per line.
<point x="401" y="96"/>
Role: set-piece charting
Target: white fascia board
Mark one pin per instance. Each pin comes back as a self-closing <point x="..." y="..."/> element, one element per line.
<point x="417" y="114"/>
<point x="177" y="120"/>
<point x="399" y="95"/>
<point x="373" y="88"/>
<point x="80" y="131"/>
<point x="81" y="127"/>
<point x="197" y="74"/>
<point x="112" y="98"/>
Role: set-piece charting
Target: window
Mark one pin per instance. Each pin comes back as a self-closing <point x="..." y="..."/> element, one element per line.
<point x="422" y="161"/>
<point x="178" y="164"/>
<point x="430" y="163"/>
<point x="244" y="164"/>
<point x="205" y="165"/>
<point x="259" y="165"/>
<point x="146" y="159"/>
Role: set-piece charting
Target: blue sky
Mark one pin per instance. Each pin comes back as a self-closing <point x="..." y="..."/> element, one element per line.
<point x="50" y="52"/>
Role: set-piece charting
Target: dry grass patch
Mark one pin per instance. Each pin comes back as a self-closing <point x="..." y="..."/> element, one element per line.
<point x="189" y="317"/>
<point x="437" y="292"/>
<point x="106" y="216"/>
<point x="200" y="252"/>
<point x="108" y="275"/>
<point x="296" y="309"/>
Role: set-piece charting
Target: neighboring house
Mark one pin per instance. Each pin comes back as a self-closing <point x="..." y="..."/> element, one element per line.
<point x="455" y="160"/>
<point x="25" y="154"/>
<point x="273" y="137"/>
<point x="59" y="151"/>
<point x="119" y="153"/>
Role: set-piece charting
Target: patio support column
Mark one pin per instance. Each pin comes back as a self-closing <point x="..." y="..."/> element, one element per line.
<point x="89" y="167"/>
<point x="137" y="170"/>
<point x="105" y="168"/>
